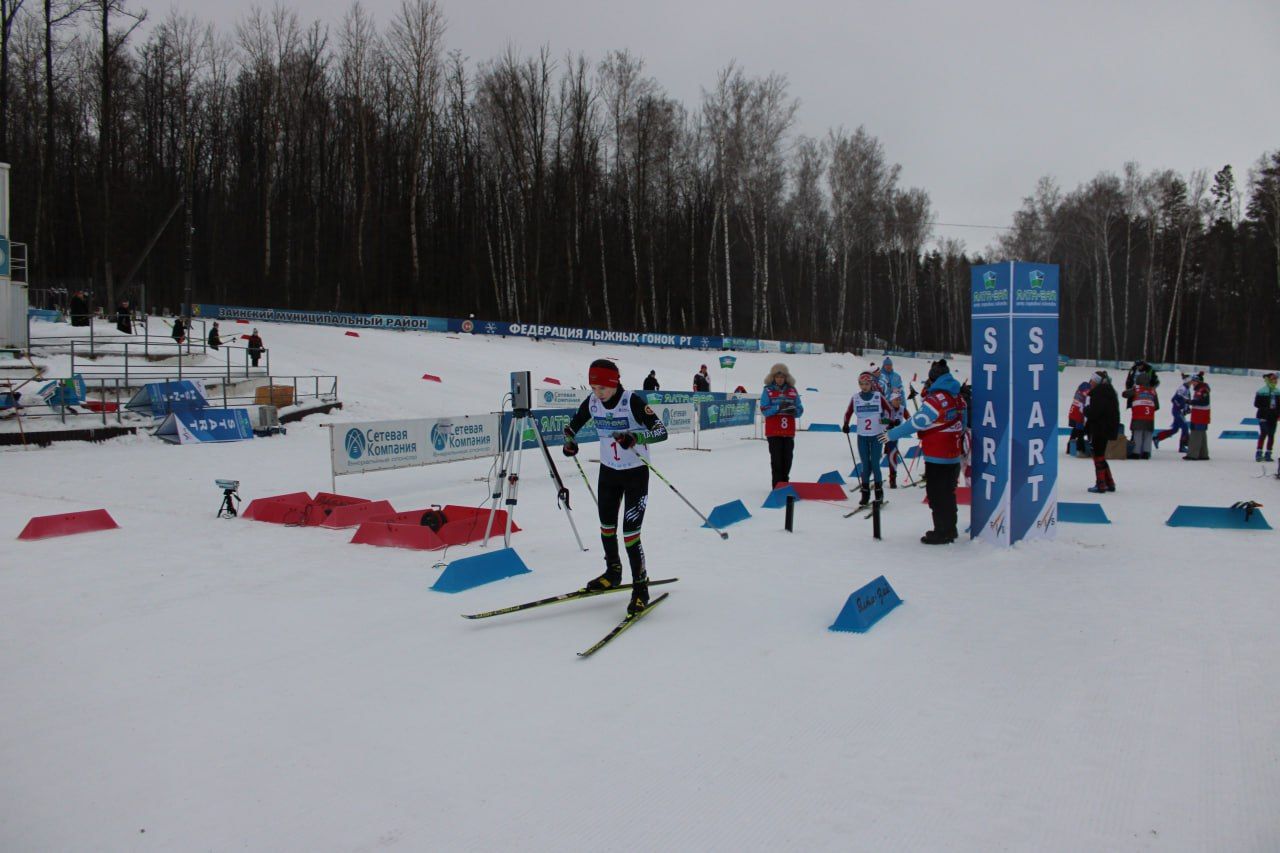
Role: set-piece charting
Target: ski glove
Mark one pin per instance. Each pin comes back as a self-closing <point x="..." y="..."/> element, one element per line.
<point x="626" y="440"/>
<point x="847" y="428"/>
<point x="883" y="437"/>
<point x="570" y="445"/>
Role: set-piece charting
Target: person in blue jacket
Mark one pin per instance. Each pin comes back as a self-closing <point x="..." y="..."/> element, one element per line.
<point x="889" y="380"/>
<point x="780" y="404"/>
<point x="942" y="424"/>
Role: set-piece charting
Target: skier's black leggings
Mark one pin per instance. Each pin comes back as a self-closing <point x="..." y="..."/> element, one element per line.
<point x="627" y="488"/>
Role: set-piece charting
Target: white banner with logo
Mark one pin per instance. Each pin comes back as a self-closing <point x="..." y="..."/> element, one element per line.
<point x="559" y="398"/>
<point x="380" y="445"/>
<point x="677" y="417"/>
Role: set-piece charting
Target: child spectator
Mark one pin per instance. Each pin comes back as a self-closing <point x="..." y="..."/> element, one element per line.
<point x="1142" y="424"/>
<point x="1075" y="418"/>
<point x="1267" y="404"/>
<point x="1198" y="443"/>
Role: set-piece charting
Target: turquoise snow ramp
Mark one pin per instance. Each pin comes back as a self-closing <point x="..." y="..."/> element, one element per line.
<point x="1218" y="517"/>
<point x="1074" y="513"/>
<point x="1247" y="434"/>
<point x="866" y="606"/>
<point x="726" y="514"/>
<point x="479" y="570"/>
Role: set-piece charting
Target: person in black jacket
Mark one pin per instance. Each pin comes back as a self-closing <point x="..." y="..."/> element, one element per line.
<point x="1102" y="422"/>
<point x="651" y="381"/>
<point x="701" y="381"/>
<point x="215" y="339"/>
<point x="1142" y="374"/>
<point x="124" y="317"/>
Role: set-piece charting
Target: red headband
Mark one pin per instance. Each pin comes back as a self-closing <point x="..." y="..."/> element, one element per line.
<point x="603" y="376"/>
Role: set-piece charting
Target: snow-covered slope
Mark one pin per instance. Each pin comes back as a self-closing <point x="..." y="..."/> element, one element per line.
<point x="193" y="683"/>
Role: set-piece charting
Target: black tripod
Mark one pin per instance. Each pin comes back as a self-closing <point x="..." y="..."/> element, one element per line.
<point x="510" y="456"/>
<point x="228" y="509"/>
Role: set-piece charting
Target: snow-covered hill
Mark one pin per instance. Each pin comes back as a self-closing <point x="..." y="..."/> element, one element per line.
<point x="194" y="683"/>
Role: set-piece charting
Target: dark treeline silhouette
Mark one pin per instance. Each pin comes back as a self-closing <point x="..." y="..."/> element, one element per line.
<point x="367" y="168"/>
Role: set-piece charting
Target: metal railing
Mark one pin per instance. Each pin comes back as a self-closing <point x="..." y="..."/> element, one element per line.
<point x="106" y="399"/>
<point x="144" y="342"/>
<point x="237" y="365"/>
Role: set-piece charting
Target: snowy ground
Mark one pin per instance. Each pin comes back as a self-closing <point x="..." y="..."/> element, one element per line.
<point x="192" y="683"/>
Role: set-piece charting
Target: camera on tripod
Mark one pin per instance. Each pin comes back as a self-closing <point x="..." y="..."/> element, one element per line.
<point x="230" y="489"/>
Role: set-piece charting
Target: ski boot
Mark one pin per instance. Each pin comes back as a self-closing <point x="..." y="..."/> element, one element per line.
<point x="611" y="578"/>
<point x="1266" y="457"/>
<point x="866" y="496"/>
<point x="1257" y="455"/>
<point x="1099" y="489"/>
<point x="639" y="593"/>
<point x="938" y="537"/>
<point x="893" y="479"/>
<point x="879" y="494"/>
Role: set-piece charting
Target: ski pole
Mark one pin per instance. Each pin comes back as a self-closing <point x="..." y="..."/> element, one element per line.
<point x="590" y="490"/>
<point x="723" y="534"/>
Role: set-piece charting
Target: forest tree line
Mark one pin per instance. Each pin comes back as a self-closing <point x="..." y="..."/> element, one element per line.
<point x="369" y="168"/>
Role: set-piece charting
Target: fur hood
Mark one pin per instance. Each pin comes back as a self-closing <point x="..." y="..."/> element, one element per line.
<point x="780" y="368"/>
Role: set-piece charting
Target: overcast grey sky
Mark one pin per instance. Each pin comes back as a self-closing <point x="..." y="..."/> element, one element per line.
<point x="976" y="100"/>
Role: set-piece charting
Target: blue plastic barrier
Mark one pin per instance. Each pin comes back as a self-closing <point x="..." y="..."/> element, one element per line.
<point x="1077" y="513"/>
<point x="815" y="390"/>
<point x="831" y="477"/>
<point x="1064" y="431"/>
<point x="1249" y="421"/>
<point x="778" y="498"/>
<point x="730" y="513"/>
<point x="866" y="607"/>
<point x="479" y="570"/>
<point x="824" y="427"/>
<point x="1218" y="518"/>
<point x="1251" y="435"/>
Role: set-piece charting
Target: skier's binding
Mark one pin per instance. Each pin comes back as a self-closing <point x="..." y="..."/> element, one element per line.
<point x="639" y="593"/>
<point x="230" y="493"/>
<point x="1248" y="507"/>
<point x="611" y="578"/>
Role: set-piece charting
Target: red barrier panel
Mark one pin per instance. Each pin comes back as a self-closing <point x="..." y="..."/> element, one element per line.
<point x="353" y="514"/>
<point x="819" y="491"/>
<point x="551" y="380"/>
<point x="463" y="524"/>
<point x="964" y="496"/>
<point x="243" y="322"/>
<point x="279" y="509"/>
<point x="68" y="523"/>
<point x="353" y="334"/>
<point x="431" y="378"/>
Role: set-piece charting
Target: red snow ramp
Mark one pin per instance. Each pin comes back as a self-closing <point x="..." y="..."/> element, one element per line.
<point x="431" y="377"/>
<point x="819" y="491"/>
<point x="68" y="523"/>
<point x="551" y="380"/>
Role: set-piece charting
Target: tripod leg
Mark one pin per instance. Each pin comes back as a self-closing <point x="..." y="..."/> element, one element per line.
<point x="514" y="479"/>
<point x="555" y="479"/>
<point x="506" y="457"/>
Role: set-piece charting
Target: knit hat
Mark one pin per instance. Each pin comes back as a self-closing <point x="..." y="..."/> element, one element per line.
<point x="604" y="372"/>
<point x="1097" y="379"/>
<point x="887" y="362"/>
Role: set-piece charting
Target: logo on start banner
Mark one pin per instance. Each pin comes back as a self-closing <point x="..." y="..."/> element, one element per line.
<point x="355" y="443"/>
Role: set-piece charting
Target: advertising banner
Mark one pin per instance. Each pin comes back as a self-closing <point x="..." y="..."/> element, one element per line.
<point x="1034" y="469"/>
<point x="557" y="398"/>
<point x="203" y="426"/>
<point x="395" y="322"/>
<point x="160" y="398"/>
<point x="728" y="413"/>
<point x="989" y="420"/>
<point x="382" y="445"/>
<point x="1014" y="317"/>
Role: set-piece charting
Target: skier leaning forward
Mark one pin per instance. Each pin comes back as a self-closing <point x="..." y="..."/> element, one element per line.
<point x="627" y="425"/>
